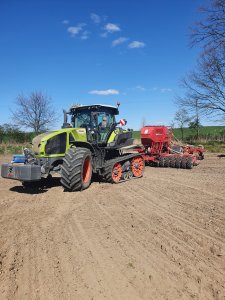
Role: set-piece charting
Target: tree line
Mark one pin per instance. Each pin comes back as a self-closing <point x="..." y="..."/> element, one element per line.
<point x="204" y="87"/>
<point x="13" y="134"/>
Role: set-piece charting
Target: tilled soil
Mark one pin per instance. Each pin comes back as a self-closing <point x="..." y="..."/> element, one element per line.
<point x="158" y="237"/>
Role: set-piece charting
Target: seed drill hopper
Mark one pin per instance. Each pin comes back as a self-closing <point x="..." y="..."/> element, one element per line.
<point x="158" y="149"/>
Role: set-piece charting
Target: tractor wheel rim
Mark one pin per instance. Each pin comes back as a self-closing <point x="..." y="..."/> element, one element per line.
<point x="137" y="166"/>
<point x="87" y="170"/>
<point x="117" y="172"/>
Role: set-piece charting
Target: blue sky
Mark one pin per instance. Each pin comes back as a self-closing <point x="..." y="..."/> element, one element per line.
<point x="96" y="51"/>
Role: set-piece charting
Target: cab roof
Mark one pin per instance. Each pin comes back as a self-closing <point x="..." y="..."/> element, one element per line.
<point x="95" y="107"/>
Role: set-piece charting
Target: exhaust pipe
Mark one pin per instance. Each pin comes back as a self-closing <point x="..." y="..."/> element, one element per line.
<point x="65" y="123"/>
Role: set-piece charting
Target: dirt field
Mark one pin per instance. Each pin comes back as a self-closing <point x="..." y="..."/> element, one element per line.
<point x="158" y="237"/>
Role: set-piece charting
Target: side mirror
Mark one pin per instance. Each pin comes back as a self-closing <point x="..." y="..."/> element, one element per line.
<point x="123" y="122"/>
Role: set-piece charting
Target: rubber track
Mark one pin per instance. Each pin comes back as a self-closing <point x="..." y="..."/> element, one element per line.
<point x="107" y="175"/>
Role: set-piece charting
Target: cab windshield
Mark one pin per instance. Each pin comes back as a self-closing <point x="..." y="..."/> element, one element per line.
<point x="104" y="119"/>
<point x="82" y="118"/>
<point x="86" y="118"/>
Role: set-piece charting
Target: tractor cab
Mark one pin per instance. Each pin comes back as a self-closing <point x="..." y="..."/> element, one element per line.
<point x="93" y="116"/>
<point x="98" y="120"/>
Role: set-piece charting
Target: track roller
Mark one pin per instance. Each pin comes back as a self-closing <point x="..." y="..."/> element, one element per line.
<point x="130" y="174"/>
<point x="125" y="176"/>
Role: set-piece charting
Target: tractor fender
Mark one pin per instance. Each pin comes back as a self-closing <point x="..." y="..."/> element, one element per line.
<point x="84" y="145"/>
<point x="97" y="154"/>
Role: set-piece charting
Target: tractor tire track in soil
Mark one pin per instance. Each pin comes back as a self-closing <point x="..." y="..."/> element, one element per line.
<point x="158" y="237"/>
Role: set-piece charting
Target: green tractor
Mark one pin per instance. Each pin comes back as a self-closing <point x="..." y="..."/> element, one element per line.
<point x="92" y="143"/>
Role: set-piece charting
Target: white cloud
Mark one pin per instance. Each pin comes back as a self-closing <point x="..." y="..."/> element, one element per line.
<point x="95" y="18"/>
<point x="110" y="28"/>
<point x="104" y="92"/>
<point x="136" y="44"/>
<point x="65" y="22"/>
<point x="119" y="41"/>
<point x="75" y="30"/>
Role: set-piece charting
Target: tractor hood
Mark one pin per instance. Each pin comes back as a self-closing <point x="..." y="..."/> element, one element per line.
<point x="36" y="142"/>
<point x="56" y="143"/>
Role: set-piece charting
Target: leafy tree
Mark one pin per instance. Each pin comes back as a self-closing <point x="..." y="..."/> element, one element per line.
<point x="34" y="112"/>
<point x="182" y="118"/>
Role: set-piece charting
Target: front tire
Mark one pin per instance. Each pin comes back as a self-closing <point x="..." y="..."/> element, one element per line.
<point x="76" y="169"/>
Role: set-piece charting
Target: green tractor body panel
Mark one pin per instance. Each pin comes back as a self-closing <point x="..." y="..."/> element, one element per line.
<point x="115" y="134"/>
<point x="57" y="143"/>
<point x="112" y="137"/>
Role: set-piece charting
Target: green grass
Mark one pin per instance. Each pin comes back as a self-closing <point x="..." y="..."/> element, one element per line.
<point x="214" y="146"/>
<point x="136" y="135"/>
<point x="206" y="132"/>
